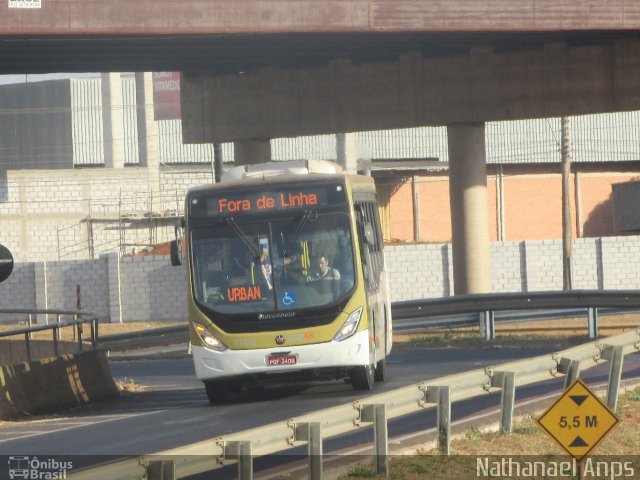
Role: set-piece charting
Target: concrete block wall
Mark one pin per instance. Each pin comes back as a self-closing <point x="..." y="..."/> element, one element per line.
<point x="11" y="231"/>
<point x="419" y="271"/>
<point x="176" y="181"/>
<point x="18" y="291"/>
<point x="115" y="286"/>
<point x="587" y="264"/>
<point x="543" y="265"/>
<point x="63" y="278"/>
<point x="507" y="266"/>
<point x="41" y="289"/>
<point x="621" y="262"/>
<point x="42" y="209"/>
<point x="148" y="288"/>
<point x="151" y="289"/>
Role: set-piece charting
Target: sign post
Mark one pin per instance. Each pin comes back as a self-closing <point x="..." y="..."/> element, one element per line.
<point x="6" y="263"/>
<point x="578" y="420"/>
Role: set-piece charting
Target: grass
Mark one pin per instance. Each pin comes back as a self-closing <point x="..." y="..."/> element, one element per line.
<point x="527" y="442"/>
<point x="470" y="339"/>
<point x="564" y="333"/>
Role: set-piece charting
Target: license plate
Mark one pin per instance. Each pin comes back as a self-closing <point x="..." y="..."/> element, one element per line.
<point x="274" y="360"/>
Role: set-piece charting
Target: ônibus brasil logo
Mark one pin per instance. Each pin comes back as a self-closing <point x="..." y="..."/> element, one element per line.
<point x="32" y="468"/>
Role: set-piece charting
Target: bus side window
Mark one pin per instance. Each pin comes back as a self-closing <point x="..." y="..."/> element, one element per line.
<point x="364" y="251"/>
<point x="369" y="220"/>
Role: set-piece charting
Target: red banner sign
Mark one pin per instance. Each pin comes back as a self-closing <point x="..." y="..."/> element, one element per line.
<point x="166" y="95"/>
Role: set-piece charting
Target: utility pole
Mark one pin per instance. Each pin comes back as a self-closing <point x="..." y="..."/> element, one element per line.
<point x="567" y="235"/>
<point x="217" y="162"/>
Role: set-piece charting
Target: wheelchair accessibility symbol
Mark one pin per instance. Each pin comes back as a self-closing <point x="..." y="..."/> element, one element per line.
<point x="289" y="298"/>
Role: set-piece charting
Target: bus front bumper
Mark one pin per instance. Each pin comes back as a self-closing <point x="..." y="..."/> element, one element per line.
<point x="211" y="365"/>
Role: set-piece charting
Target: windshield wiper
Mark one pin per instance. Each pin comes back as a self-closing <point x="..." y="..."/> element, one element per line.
<point x="247" y="243"/>
<point x="306" y="218"/>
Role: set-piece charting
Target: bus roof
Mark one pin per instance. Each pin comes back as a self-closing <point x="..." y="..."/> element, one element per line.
<point x="271" y="169"/>
<point x="289" y="171"/>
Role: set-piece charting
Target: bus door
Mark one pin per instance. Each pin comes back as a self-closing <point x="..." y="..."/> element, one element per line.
<point x="370" y="244"/>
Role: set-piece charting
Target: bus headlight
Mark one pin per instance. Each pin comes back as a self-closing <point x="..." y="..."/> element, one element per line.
<point x="350" y="326"/>
<point x="209" y="340"/>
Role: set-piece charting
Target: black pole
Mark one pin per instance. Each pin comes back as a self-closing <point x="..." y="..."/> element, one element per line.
<point x="217" y="158"/>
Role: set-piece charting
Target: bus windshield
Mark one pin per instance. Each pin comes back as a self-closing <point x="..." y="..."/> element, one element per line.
<point x="263" y="265"/>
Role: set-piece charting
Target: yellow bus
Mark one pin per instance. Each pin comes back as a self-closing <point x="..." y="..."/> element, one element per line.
<point x="286" y="278"/>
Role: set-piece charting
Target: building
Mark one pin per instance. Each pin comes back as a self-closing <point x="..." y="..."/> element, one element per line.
<point x="88" y="167"/>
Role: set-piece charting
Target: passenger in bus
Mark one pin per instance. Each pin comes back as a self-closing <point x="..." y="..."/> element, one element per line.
<point x="280" y="264"/>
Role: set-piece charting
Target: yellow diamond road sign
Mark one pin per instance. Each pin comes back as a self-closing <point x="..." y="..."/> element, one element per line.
<point x="578" y="420"/>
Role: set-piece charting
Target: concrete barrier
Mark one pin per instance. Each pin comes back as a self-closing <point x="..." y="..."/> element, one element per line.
<point x="53" y="384"/>
<point x="13" y="350"/>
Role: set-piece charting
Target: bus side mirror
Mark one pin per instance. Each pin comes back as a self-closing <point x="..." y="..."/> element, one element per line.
<point x="175" y="251"/>
<point x="175" y="247"/>
<point x="369" y="236"/>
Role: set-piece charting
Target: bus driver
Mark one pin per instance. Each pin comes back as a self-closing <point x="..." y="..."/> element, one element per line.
<point x="325" y="272"/>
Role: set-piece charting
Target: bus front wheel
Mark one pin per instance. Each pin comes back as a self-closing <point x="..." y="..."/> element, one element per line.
<point x="221" y="391"/>
<point x="381" y="371"/>
<point x="362" y="378"/>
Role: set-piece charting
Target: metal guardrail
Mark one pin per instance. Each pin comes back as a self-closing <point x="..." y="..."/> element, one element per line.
<point x="179" y="334"/>
<point x="422" y="312"/>
<point x="494" y="302"/>
<point x="80" y="318"/>
<point x="458" y="311"/>
<point x="154" y="337"/>
<point x="377" y="409"/>
<point x="408" y="316"/>
<point x="591" y="315"/>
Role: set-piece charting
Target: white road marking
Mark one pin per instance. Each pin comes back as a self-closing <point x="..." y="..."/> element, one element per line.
<point x="89" y="422"/>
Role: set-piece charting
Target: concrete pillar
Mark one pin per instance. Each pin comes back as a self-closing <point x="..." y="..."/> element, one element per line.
<point x="347" y="151"/>
<point x="112" y="120"/>
<point x="115" y="286"/>
<point x="41" y="290"/>
<point x="24" y="204"/>
<point x="148" y="132"/>
<point x="469" y="217"/>
<point x="247" y="152"/>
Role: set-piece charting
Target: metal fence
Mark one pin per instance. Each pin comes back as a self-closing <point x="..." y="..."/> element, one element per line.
<point x="79" y="319"/>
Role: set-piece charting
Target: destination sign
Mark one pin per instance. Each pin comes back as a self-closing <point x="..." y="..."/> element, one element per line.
<point x="257" y="202"/>
<point x="268" y="201"/>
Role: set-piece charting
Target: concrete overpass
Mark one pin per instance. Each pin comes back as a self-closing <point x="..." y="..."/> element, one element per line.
<point x="255" y="70"/>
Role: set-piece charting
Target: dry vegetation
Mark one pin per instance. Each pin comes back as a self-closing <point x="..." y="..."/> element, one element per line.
<point x="128" y="385"/>
<point x="527" y="442"/>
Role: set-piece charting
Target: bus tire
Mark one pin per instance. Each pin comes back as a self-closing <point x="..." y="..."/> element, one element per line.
<point x="381" y="371"/>
<point x="363" y="377"/>
<point x="219" y="391"/>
